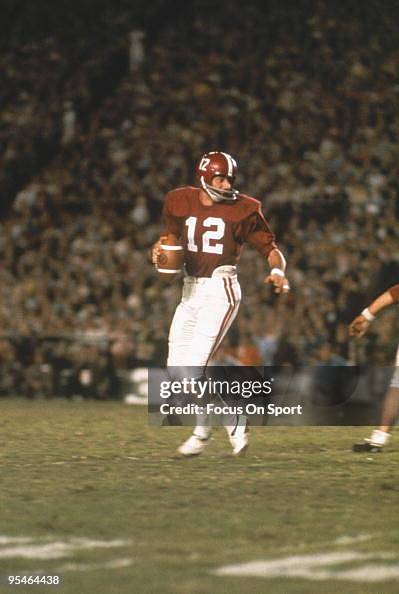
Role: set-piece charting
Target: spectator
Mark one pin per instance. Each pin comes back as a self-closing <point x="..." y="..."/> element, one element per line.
<point x="310" y="114"/>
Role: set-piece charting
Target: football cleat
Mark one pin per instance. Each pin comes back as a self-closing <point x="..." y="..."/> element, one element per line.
<point x="193" y="446"/>
<point x="239" y="443"/>
<point x="367" y="446"/>
<point x="238" y="435"/>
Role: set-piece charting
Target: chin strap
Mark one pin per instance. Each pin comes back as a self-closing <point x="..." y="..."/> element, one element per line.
<point x="219" y="195"/>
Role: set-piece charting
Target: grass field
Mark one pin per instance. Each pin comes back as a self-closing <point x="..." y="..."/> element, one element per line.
<point x="91" y="493"/>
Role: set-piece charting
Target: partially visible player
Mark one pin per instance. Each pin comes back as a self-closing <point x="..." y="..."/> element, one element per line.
<point x="212" y="222"/>
<point x="390" y="407"/>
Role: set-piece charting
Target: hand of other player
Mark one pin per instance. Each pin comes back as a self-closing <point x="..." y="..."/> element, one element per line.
<point x="280" y="283"/>
<point x="358" y="326"/>
<point x="155" y="248"/>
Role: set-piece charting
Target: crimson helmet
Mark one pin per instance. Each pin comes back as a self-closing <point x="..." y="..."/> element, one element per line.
<point x="213" y="164"/>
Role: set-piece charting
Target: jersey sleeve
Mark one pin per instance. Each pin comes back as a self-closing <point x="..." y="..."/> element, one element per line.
<point x="172" y="223"/>
<point x="394" y="291"/>
<point x="255" y="230"/>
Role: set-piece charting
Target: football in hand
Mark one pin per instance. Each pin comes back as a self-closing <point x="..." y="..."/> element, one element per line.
<point x="170" y="259"/>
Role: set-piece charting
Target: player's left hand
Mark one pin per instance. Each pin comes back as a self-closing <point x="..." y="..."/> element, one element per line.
<point x="358" y="326"/>
<point x="280" y="283"/>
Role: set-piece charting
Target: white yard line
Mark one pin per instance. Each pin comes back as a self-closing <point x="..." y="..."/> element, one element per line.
<point x="40" y="549"/>
<point x="114" y="564"/>
<point x="347" y="540"/>
<point x="7" y="540"/>
<point x="318" y="567"/>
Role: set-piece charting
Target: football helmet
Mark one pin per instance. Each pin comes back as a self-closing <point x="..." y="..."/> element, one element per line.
<point x="213" y="164"/>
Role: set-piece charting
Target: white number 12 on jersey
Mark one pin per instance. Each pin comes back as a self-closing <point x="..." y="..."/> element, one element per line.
<point x="212" y="234"/>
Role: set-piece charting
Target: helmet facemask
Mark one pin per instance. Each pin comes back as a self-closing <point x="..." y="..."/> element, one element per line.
<point x="219" y="194"/>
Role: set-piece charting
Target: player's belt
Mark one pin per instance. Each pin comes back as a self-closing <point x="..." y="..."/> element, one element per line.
<point x="225" y="271"/>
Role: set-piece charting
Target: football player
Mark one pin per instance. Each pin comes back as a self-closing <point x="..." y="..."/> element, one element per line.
<point x="213" y="221"/>
<point x="390" y="408"/>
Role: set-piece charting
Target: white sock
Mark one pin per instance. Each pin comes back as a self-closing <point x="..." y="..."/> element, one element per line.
<point x="379" y="437"/>
<point x="202" y="432"/>
<point x="239" y="428"/>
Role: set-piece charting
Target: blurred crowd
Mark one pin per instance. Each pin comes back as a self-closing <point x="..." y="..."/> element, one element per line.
<point x="306" y="100"/>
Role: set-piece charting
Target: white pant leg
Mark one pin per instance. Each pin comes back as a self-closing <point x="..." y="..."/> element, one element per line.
<point x="202" y="319"/>
<point x="206" y="312"/>
<point x="394" y="383"/>
<point x="233" y="291"/>
<point x="181" y="334"/>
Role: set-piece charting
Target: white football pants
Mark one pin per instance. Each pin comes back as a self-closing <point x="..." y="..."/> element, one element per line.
<point x="204" y="315"/>
<point x="202" y="318"/>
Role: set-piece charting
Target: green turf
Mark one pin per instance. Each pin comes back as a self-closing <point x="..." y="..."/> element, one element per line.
<point x="98" y="471"/>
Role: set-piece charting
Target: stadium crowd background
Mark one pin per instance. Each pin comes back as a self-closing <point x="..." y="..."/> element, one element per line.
<point x="104" y="110"/>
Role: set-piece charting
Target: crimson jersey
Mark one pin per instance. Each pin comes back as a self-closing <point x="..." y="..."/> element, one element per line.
<point x="213" y="235"/>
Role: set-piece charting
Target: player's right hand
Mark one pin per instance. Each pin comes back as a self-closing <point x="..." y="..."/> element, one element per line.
<point x="358" y="326"/>
<point x="155" y="248"/>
